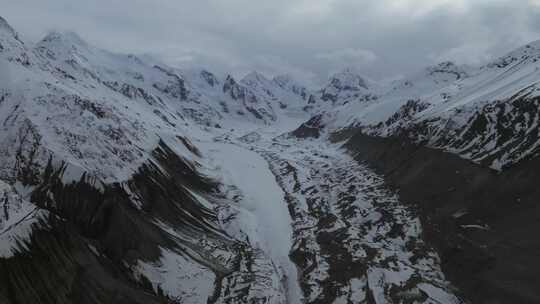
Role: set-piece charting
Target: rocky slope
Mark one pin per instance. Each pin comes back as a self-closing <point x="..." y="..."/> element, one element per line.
<point x="460" y="144"/>
<point x="482" y="222"/>
<point x="354" y="241"/>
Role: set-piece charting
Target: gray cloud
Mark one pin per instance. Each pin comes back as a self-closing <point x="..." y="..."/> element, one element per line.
<point x="307" y="38"/>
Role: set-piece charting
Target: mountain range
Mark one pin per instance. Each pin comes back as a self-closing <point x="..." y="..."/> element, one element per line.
<point x="126" y="180"/>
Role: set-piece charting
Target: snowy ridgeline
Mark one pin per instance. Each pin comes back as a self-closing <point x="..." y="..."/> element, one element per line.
<point x="103" y="113"/>
<point x="487" y="114"/>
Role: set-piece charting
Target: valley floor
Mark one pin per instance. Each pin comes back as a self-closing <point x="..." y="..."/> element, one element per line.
<point x="331" y="227"/>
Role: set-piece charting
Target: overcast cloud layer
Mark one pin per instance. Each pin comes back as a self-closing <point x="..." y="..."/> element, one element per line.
<point x="307" y="38"/>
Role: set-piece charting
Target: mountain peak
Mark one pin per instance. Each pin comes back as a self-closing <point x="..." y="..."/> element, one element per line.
<point x="63" y="45"/>
<point x="348" y="79"/>
<point x="68" y="38"/>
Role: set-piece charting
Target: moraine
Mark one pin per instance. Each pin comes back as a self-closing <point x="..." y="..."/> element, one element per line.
<point x="354" y="242"/>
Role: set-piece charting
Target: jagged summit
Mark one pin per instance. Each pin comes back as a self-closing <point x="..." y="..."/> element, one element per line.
<point x="348" y="79"/>
<point x="346" y="86"/>
<point x="73" y="52"/>
<point x="64" y="42"/>
<point x="68" y="37"/>
<point x="283" y="93"/>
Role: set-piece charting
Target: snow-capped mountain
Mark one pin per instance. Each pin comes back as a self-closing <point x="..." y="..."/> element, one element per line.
<point x="289" y="84"/>
<point x="471" y="204"/>
<point x="99" y="148"/>
<point x="443" y="106"/>
<point x="124" y="179"/>
<point x="348" y="86"/>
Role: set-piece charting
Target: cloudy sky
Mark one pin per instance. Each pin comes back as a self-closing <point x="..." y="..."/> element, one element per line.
<point x="307" y="38"/>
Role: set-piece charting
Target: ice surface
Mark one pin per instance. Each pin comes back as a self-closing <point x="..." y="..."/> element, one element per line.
<point x="265" y="218"/>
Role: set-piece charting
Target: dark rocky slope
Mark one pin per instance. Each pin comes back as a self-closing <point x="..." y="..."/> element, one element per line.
<point x="483" y="222"/>
<point x="59" y="267"/>
<point x="86" y="250"/>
